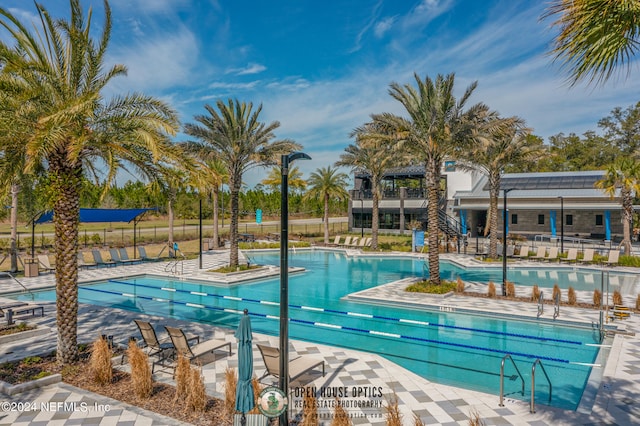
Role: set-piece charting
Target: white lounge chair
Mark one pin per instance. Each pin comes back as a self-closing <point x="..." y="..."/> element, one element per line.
<point x="614" y="257"/>
<point x="541" y="254"/>
<point x="572" y="255"/>
<point x="297" y="366"/>
<point x="45" y="265"/>
<point x="587" y="257"/>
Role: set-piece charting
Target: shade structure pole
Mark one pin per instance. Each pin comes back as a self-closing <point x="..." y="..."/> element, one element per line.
<point x="284" y="276"/>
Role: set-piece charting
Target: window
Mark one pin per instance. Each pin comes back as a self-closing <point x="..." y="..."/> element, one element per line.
<point x="599" y="220"/>
<point x="514" y="219"/>
<point x="568" y="219"/>
<point x="540" y="219"/>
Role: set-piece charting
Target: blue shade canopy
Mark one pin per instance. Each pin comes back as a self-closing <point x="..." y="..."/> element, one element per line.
<point x="100" y="215"/>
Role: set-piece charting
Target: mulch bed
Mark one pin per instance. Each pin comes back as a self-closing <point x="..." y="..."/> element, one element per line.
<point x="162" y="400"/>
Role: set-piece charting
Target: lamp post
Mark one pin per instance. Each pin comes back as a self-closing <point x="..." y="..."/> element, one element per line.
<point x="200" y="231"/>
<point x="504" y="243"/>
<point x="561" y="224"/>
<point x="286" y="159"/>
<point x="361" y="216"/>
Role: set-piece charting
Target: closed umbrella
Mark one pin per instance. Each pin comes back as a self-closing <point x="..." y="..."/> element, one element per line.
<point x="244" y="391"/>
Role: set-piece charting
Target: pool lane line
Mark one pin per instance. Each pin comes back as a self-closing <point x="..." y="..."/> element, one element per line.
<point x="355" y="329"/>
<point x="360" y="315"/>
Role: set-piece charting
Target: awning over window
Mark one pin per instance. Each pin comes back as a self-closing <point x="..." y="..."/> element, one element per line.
<point x="100" y="215"/>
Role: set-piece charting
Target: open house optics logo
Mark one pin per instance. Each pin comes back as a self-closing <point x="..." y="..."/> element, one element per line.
<point x="355" y="401"/>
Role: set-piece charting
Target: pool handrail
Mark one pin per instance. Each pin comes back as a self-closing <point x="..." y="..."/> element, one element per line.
<point x="533" y="384"/>
<point x="540" y="304"/>
<point x="502" y="378"/>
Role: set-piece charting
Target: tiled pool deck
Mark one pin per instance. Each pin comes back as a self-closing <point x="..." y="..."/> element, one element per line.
<point x="614" y="399"/>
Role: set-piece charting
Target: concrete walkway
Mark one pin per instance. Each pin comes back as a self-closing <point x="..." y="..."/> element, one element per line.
<point x="613" y="401"/>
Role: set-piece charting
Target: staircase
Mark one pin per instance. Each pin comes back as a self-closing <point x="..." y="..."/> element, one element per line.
<point x="449" y="225"/>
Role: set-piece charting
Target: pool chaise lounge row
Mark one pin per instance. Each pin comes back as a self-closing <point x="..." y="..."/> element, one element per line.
<point x="351" y="242"/>
<point x="178" y="342"/>
<point x="552" y="254"/>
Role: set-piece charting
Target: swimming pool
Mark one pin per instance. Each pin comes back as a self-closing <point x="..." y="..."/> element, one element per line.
<point x="451" y="348"/>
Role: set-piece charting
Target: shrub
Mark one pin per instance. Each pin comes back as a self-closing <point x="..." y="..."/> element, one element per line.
<point x="392" y="411"/>
<point x="417" y="421"/>
<point x="340" y="416"/>
<point x="459" y="286"/>
<point x="571" y="296"/>
<point x="617" y="298"/>
<point x="231" y="383"/>
<point x="183" y="371"/>
<point x="511" y="289"/>
<point x="140" y="371"/>
<point x="101" y="362"/>
<point x="556" y="291"/>
<point x="597" y="298"/>
<point x="491" y="289"/>
<point x="309" y="409"/>
<point x="535" y="293"/>
<point x="197" y="396"/>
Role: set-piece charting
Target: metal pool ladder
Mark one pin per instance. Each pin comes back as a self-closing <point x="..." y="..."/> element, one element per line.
<point x="533" y="384"/>
<point x="541" y="304"/>
<point x="502" y="377"/>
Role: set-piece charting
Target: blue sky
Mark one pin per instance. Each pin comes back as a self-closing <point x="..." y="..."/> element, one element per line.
<point x="321" y="68"/>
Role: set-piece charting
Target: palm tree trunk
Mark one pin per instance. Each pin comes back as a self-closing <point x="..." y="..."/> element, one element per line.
<point x="627" y="217"/>
<point x="433" y="197"/>
<point x="66" y="218"/>
<point x="375" y="219"/>
<point x="234" y="190"/>
<point x="15" y="189"/>
<point x="326" y="218"/>
<point x="171" y="216"/>
<point x="216" y="234"/>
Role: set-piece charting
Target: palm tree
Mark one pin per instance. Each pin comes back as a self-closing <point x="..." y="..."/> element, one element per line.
<point x="327" y="183"/>
<point x="274" y="179"/>
<point x="234" y="134"/>
<point x="595" y="36"/>
<point x="374" y="152"/>
<point x="623" y="174"/>
<point x="498" y="143"/>
<point x="436" y="126"/>
<point x="59" y="70"/>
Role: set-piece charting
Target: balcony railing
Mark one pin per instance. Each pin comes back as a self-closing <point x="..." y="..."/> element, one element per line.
<point x="389" y="194"/>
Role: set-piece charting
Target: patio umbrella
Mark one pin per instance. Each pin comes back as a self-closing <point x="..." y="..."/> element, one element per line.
<point x="244" y="391"/>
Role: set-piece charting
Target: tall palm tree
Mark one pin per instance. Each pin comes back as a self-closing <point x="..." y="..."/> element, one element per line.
<point x="60" y="70"/>
<point x="374" y="153"/>
<point x="274" y="179"/>
<point x="234" y="133"/>
<point x="595" y="36"/>
<point x="327" y="183"/>
<point x="623" y="174"/>
<point x="498" y="144"/>
<point x="436" y="125"/>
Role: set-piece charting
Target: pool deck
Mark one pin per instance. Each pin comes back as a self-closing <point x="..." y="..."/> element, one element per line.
<point x="611" y="400"/>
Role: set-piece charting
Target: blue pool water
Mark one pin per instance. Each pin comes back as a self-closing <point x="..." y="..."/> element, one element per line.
<point x="451" y="348"/>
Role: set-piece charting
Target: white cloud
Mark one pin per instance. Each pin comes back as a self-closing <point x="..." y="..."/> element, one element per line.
<point x="383" y="26"/>
<point x="370" y="23"/>
<point x="234" y="86"/>
<point x="251" y="68"/>
<point x="154" y="63"/>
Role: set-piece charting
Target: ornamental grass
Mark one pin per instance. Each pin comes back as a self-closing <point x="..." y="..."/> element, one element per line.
<point x="101" y="362"/>
<point x="141" y="379"/>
